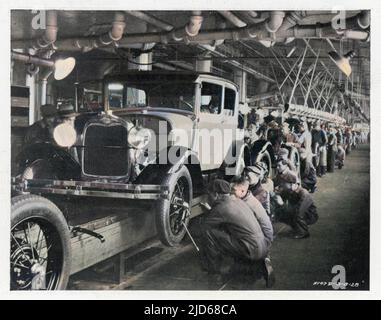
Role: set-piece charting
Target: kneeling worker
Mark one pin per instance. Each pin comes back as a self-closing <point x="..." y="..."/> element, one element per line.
<point x="231" y="238"/>
<point x="301" y="210"/>
<point x="240" y="188"/>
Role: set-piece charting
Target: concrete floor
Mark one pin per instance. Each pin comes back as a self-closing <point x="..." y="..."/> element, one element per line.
<point x="340" y="237"/>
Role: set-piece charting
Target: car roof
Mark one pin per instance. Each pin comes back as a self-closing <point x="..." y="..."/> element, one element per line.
<point x="165" y="75"/>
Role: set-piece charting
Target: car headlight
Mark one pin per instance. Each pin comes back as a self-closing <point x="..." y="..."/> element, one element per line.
<point x="64" y="135"/>
<point x="139" y="137"/>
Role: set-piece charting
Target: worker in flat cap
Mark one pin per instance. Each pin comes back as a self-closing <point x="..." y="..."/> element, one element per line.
<point x="40" y="130"/>
<point x="300" y="210"/>
<point x="275" y="134"/>
<point x="240" y="188"/>
<point x="318" y="144"/>
<point x="307" y="172"/>
<point x="331" y="149"/>
<point x="283" y="154"/>
<point x="230" y="239"/>
<point x="305" y="139"/>
<point x="340" y="155"/>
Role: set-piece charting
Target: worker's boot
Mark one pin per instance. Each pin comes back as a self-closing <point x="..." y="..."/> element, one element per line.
<point x="268" y="273"/>
<point x="318" y="171"/>
<point x="300" y="228"/>
<point x="301" y="235"/>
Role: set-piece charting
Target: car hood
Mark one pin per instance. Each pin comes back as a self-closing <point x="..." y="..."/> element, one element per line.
<point x="178" y="119"/>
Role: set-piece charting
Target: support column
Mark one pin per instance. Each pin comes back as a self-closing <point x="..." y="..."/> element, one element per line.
<point x="43" y="81"/>
<point x="30" y="81"/>
<point x="146" y="58"/>
<point x="203" y="65"/>
<point x="143" y="63"/>
<point x="240" y="78"/>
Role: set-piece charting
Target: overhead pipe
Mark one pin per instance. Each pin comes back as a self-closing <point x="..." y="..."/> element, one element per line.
<point x="50" y="35"/>
<point x="323" y="31"/>
<point x="181" y="64"/>
<point x="275" y="21"/>
<point x="151" y="20"/>
<point x="165" y="66"/>
<point x="230" y="16"/>
<point x="272" y="24"/>
<point x="29" y="59"/>
<point x="191" y="29"/>
<point x="106" y="39"/>
<point x="116" y="32"/>
<point x="292" y="19"/>
<point x="288" y="29"/>
<point x="363" y="19"/>
<point x="209" y="36"/>
<point x="242" y="67"/>
<point x="252" y="17"/>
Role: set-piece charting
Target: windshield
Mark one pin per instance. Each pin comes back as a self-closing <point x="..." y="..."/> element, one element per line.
<point x="154" y="94"/>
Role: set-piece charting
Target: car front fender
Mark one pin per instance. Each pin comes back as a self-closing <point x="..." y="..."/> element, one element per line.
<point x="60" y="161"/>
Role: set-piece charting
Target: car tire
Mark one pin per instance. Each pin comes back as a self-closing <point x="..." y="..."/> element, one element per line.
<point x="38" y="212"/>
<point x="168" y="224"/>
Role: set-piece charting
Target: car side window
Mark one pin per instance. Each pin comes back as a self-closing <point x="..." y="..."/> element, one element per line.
<point x="229" y="103"/>
<point x="211" y="98"/>
<point x="115" y="95"/>
<point x="135" y="97"/>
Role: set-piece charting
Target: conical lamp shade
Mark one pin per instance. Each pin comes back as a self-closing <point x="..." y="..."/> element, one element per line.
<point x="342" y="62"/>
<point x="63" y="67"/>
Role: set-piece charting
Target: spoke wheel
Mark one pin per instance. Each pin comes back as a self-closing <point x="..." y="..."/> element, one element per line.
<point x="179" y="208"/>
<point x="40" y="248"/>
<point x="173" y="212"/>
<point x="36" y="255"/>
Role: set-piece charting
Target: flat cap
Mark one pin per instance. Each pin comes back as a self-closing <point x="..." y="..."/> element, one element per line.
<point x="219" y="186"/>
<point x="283" y="152"/>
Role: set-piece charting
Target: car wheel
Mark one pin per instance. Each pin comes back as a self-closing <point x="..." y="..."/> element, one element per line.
<point x="40" y="254"/>
<point x="174" y="212"/>
<point x="265" y="159"/>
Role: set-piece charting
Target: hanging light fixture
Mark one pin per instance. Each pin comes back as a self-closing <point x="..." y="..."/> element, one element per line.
<point x="342" y="62"/>
<point x="62" y="67"/>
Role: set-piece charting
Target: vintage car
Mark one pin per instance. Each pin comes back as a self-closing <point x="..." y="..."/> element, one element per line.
<point x="159" y="137"/>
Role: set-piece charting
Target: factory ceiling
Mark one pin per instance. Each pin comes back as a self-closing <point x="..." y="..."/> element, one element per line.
<point x="260" y="42"/>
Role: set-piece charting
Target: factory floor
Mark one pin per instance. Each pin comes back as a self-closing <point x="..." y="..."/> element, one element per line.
<point x="340" y="237"/>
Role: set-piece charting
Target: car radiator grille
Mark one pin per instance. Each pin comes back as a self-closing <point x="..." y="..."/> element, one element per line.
<point x="105" y="151"/>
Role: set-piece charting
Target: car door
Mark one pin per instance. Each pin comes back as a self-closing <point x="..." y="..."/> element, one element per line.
<point x="229" y="123"/>
<point x="209" y="133"/>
